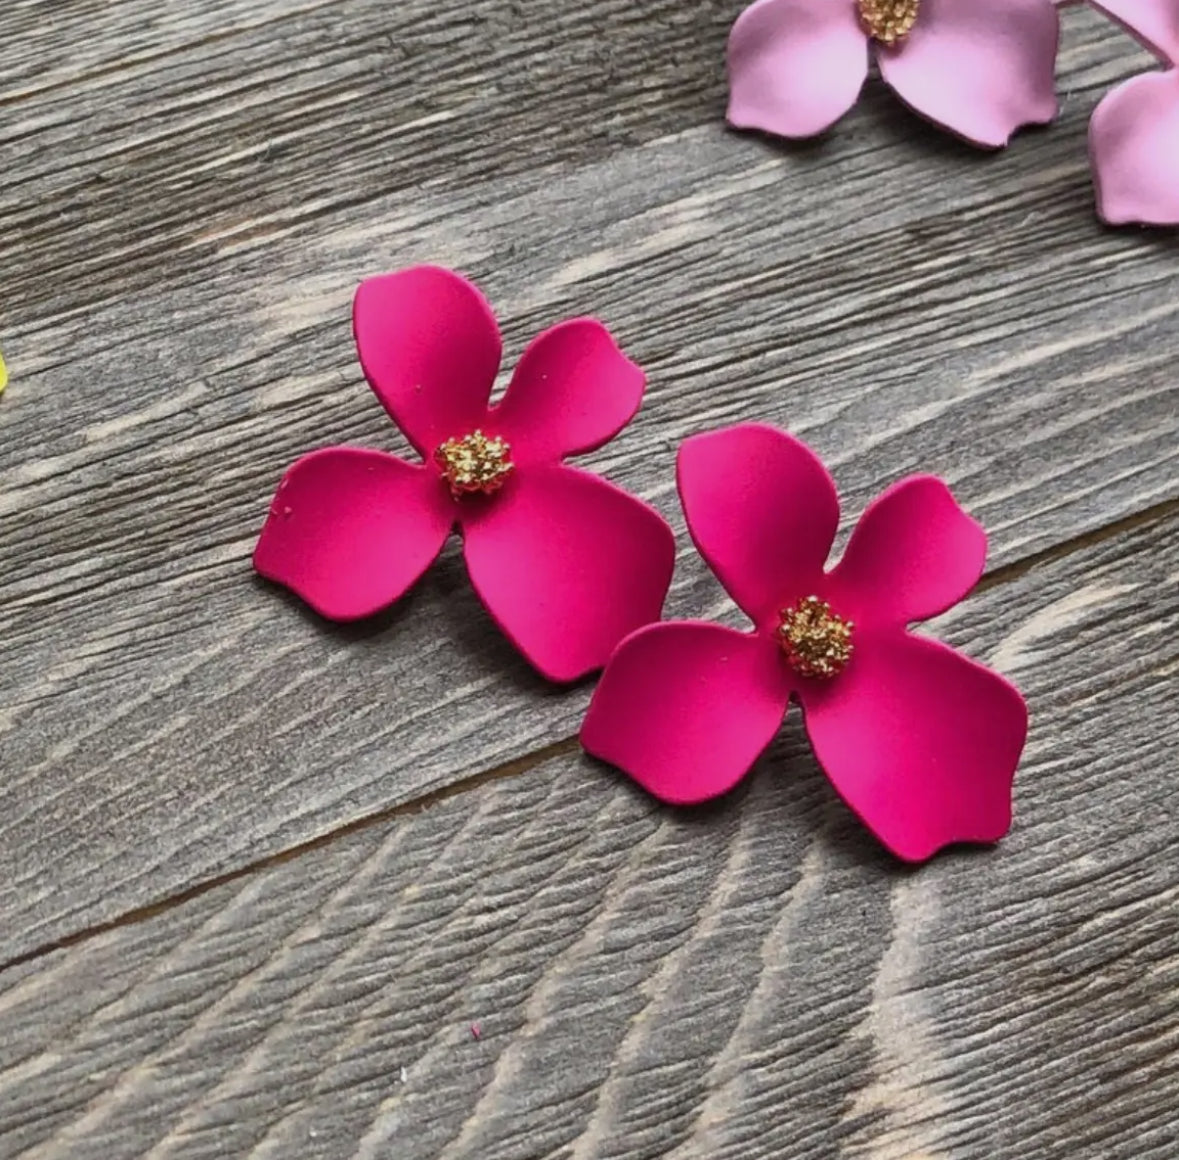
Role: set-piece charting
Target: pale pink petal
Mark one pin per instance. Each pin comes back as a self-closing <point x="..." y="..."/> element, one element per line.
<point x="1134" y="145"/>
<point x="762" y="510"/>
<point x="430" y="349"/>
<point x="795" y="66"/>
<point x="913" y="554"/>
<point x="920" y="741"/>
<point x="980" y="69"/>
<point x="568" y="565"/>
<point x="350" y="530"/>
<point x="1154" y="23"/>
<point x="685" y="708"/>
<point x="572" y="391"/>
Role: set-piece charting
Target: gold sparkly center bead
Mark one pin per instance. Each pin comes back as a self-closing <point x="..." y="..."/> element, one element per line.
<point x="888" y="21"/>
<point x="817" y="643"/>
<point x="474" y="463"/>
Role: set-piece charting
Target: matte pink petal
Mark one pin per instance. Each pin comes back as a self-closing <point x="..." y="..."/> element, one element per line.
<point x="913" y="554"/>
<point x="762" y="510"/>
<point x="568" y="565"/>
<point x="350" y="530"/>
<point x="685" y="708"/>
<point x="979" y="69"/>
<point x="795" y="66"/>
<point x="573" y="390"/>
<point x="1134" y="144"/>
<point x="921" y="742"/>
<point x="430" y="349"/>
<point x="1154" y="23"/>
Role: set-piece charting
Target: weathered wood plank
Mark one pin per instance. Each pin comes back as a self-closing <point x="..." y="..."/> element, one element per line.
<point x="899" y="302"/>
<point x="749" y="981"/>
<point x="143" y="144"/>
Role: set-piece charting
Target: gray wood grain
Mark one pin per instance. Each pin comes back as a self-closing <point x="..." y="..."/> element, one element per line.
<point x="552" y="965"/>
<point x="194" y="198"/>
<point x="148" y="136"/>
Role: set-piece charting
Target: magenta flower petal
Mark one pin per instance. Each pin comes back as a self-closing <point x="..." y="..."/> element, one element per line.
<point x="913" y="554"/>
<point x="1154" y="23"/>
<point x="685" y="708"/>
<point x="430" y="349"/>
<point x="1134" y="144"/>
<point x="795" y="66"/>
<point x="572" y="391"/>
<point x="921" y="742"/>
<point x="979" y="69"/>
<point x="763" y="512"/>
<point x="350" y="530"/>
<point x="568" y="565"/>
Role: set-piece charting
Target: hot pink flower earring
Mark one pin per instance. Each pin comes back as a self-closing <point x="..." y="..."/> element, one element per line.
<point x="566" y="563"/>
<point x="979" y="68"/>
<point x="1134" y="134"/>
<point x="920" y="741"/>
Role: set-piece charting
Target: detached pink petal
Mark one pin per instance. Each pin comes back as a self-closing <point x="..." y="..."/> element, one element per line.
<point x="980" y="68"/>
<point x="573" y="390"/>
<point x="568" y="565"/>
<point x="430" y="349"/>
<point x="1154" y="23"/>
<point x="685" y="708"/>
<point x="350" y="530"/>
<point x="795" y="66"/>
<point x="762" y="510"/>
<point x="1134" y="144"/>
<point x="913" y="554"/>
<point x="921" y="742"/>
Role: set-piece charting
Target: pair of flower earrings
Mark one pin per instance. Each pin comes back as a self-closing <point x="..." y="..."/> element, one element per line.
<point x="920" y="741"/>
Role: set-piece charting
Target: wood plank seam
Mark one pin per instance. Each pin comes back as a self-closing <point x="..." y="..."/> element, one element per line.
<point x="415" y="805"/>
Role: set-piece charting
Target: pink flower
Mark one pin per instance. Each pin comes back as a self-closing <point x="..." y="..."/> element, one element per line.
<point x="565" y="562"/>
<point x="979" y="68"/>
<point x="921" y="742"/>
<point x="1134" y="133"/>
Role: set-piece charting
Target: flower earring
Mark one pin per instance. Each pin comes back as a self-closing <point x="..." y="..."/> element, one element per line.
<point x="1134" y="133"/>
<point x="979" y="68"/>
<point x="566" y="563"/>
<point x="920" y="741"/>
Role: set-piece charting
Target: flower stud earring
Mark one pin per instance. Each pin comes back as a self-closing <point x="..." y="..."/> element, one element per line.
<point x="566" y="563"/>
<point x="1134" y="133"/>
<point x="979" y="68"/>
<point x="919" y="740"/>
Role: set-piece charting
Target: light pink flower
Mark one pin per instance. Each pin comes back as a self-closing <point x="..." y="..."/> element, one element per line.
<point x="920" y="741"/>
<point x="979" y="68"/>
<point x="1134" y="133"/>
<point x="565" y="562"/>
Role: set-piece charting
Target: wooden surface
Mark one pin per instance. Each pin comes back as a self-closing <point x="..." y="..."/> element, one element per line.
<point x="273" y="889"/>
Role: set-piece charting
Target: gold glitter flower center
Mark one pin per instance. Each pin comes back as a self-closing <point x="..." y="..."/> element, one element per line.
<point x="474" y="463"/>
<point x="816" y="641"/>
<point x="888" y="21"/>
